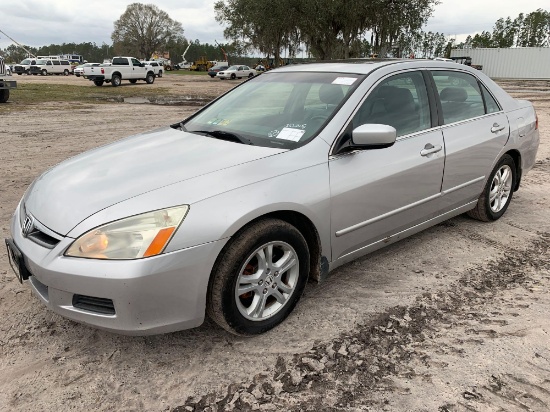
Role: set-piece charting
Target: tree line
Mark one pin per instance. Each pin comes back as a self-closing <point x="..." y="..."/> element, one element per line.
<point x="336" y="29"/>
<point x="526" y="30"/>
<point x="324" y="30"/>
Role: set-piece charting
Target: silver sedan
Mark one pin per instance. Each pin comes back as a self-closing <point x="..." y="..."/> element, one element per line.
<point x="229" y="212"/>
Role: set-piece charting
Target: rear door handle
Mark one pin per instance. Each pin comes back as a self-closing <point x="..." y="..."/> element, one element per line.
<point x="497" y="128"/>
<point x="430" y="149"/>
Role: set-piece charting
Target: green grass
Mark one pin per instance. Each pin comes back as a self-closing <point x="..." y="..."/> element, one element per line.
<point x="32" y="94"/>
<point x="187" y="73"/>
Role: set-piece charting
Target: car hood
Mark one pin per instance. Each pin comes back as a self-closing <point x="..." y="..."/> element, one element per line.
<point x="85" y="184"/>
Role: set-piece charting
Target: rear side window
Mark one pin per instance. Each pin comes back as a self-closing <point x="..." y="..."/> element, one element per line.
<point x="120" y="62"/>
<point x="459" y="94"/>
<point x="490" y="102"/>
<point x="400" y="101"/>
<point x="56" y="62"/>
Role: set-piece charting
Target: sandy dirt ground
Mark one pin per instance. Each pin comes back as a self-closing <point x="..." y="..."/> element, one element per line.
<point x="455" y="318"/>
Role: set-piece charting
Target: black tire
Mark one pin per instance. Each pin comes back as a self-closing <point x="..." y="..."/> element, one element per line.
<point x="44" y="72"/>
<point x="150" y="79"/>
<point x="19" y="74"/>
<point x="222" y="304"/>
<point x="233" y="77"/>
<point x="98" y="82"/>
<point x="4" y="95"/>
<point x="77" y="75"/>
<point x="116" y="80"/>
<point x="65" y="72"/>
<point x="160" y="72"/>
<point x="133" y="81"/>
<point x="250" y="75"/>
<point x="483" y="210"/>
<point x="28" y="71"/>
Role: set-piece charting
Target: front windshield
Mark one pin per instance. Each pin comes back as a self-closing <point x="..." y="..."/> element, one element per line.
<point x="283" y="110"/>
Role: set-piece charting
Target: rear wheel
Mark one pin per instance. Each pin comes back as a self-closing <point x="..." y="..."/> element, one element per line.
<point x="98" y="82"/>
<point x="116" y="80"/>
<point x="150" y="79"/>
<point x="65" y="72"/>
<point x="258" y="278"/>
<point x="4" y="95"/>
<point x="498" y="191"/>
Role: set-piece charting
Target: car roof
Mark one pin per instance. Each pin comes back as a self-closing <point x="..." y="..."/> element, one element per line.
<point x="366" y="66"/>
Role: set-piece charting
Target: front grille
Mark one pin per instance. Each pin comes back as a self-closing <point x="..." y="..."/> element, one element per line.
<point x="43" y="239"/>
<point x="2" y="67"/>
<point x="93" y="304"/>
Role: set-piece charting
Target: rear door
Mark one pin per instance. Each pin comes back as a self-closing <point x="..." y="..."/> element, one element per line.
<point x="475" y="131"/>
<point x="377" y="193"/>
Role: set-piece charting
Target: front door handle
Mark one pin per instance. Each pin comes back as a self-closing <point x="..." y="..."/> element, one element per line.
<point x="430" y="149"/>
<point x="497" y="128"/>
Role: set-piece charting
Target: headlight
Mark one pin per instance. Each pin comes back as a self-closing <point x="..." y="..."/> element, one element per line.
<point x="131" y="238"/>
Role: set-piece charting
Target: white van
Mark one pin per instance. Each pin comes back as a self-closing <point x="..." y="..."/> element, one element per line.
<point x="48" y="66"/>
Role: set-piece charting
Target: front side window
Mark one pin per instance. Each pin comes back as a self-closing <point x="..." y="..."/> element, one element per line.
<point x="400" y="101"/>
<point x="136" y="62"/>
<point x="459" y="94"/>
<point x="300" y="104"/>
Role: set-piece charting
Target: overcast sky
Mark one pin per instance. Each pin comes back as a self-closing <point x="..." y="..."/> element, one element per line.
<point x="38" y="22"/>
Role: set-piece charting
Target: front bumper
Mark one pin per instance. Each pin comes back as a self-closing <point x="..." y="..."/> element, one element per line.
<point x="154" y="295"/>
<point x="7" y="84"/>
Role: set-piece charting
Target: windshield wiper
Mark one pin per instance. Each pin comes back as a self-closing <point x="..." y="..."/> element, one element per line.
<point x="220" y="134"/>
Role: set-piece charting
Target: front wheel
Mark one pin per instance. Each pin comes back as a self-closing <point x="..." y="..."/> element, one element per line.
<point x="44" y="72"/>
<point x="160" y="73"/>
<point x="150" y="79"/>
<point x="258" y="278"/>
<point x="4" y="95"/>
<point x="498" y="191"/>
<point x="233" y="77"/>
<point x="250" y="75"/>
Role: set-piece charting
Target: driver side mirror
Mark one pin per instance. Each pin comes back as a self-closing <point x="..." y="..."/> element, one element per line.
<point x="373" y="136"/>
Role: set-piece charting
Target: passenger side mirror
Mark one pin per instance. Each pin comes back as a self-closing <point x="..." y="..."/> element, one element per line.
<point x="373" y="136"/>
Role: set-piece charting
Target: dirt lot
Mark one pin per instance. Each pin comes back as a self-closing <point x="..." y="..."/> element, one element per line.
<point x="453" y="319"/>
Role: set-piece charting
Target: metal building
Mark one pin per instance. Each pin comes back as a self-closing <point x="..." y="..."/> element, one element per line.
<point x="512" y="63"/>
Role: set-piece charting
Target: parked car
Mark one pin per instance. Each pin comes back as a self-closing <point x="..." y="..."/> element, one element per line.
<point x="79" y="70"/>
<point x="236" y="72"/>
<point x="231" y="210"/>
<point x="6" y="82"/>
<point x="48" y="66"/>
<point x="24" y="66"/>
<point x="156" y="66"/>
<point x="216" y="69"/>
<point x="121" y="68"/>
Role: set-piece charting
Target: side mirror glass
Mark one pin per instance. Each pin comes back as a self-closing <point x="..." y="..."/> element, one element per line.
<point x="373" y="136"/>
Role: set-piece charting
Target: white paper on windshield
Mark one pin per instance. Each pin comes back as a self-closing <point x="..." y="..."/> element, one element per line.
<point x="288" y="133"/>
<point x="347" y="81"/>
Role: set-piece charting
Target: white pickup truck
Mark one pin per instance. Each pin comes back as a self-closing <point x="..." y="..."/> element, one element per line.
<point x="121" y="68"/>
